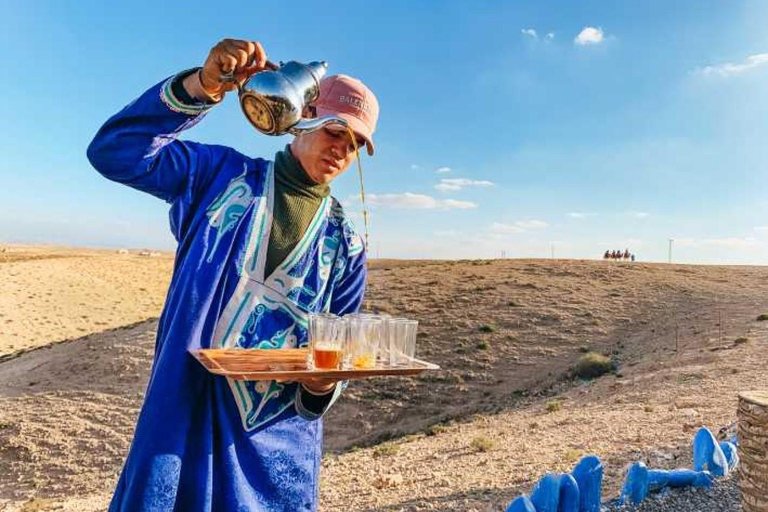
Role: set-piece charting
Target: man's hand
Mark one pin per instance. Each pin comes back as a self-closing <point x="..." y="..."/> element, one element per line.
<point x="231" y="56"/>
<point x="319" y="386"/>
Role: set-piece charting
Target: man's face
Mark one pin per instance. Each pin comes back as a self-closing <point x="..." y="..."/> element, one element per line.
<point x="325" y="153"/>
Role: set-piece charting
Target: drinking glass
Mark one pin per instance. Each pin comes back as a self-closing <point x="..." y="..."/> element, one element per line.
<point x="402" y="341"/>
<point x="327" y="340"/>
<point x="363" y="343"/>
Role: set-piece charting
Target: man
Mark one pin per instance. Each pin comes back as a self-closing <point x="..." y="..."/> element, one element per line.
<point x="261" y="245"/>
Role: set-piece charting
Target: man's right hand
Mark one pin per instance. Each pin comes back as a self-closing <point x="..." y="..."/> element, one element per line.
<point x="231" y="56"/>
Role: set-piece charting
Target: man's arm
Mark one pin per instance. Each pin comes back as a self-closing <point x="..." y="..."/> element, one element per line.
<point x="138" y="146"/>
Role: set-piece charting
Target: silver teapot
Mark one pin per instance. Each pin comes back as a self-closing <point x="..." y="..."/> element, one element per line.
<point x="273" y="100"/>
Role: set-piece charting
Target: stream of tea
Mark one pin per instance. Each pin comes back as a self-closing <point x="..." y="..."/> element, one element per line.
<point x="362" y="196"/>
<point x="362" y="186"/>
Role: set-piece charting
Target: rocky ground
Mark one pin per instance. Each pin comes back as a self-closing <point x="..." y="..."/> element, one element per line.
<point x="503" y="410"/>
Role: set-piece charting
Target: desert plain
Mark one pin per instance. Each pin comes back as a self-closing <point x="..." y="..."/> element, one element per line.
<point x="77" y="330"/>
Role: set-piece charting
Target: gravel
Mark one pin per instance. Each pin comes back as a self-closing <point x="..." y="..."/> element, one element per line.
<point x="724" y="496"/>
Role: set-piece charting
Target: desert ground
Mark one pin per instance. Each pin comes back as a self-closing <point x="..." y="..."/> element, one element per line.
<point x="77" y="331"/>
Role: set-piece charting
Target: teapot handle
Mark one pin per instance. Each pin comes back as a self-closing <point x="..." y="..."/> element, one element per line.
<point x="229" y="77"/>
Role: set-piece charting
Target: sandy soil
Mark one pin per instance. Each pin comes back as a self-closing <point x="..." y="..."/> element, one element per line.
<point x="470" y="437"/>
<point x="52" y="294"/>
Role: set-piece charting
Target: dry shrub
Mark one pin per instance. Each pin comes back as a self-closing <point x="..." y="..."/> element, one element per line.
<point x="553" y="406"/>
<point x="385" y="449"/>
<point x="483" y="444"/>
<point x="592" y="365"/>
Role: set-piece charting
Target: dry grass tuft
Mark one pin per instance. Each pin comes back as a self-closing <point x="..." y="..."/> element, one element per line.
<point x="592" y="365"/>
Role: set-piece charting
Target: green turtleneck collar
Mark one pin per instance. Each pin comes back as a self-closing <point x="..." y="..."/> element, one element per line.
<point x="296" y="201"/>
<point x="291" y="176"/>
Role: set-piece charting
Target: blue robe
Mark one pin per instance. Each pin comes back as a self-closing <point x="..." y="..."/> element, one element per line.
<point x="204" y="442"/>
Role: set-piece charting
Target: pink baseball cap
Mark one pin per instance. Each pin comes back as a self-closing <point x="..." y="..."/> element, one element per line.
<point x="349" y="99"/>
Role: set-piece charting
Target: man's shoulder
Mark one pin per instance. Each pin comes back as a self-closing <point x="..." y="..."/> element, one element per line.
<point x="231" y="169"/>
<point x="351" y="236"/>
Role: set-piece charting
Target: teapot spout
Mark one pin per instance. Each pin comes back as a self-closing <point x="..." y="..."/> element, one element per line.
<point x="311" y="125"/>
<point x="318" y="69"/>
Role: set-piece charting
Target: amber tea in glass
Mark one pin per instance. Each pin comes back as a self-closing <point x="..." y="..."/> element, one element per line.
<point x="327" y="338"/>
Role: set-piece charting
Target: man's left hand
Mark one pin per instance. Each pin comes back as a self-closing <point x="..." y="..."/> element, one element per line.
<point x="319" y="386"/>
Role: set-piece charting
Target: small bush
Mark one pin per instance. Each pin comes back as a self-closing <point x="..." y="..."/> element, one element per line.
<point x="740" y="341"/>
<point x="762" y="318"/>
<point x="592" y="365"/>
<point x="649" y="408"/>
<point x="483" y="444"/>
<point x="486" y="328"/>
<point x="433" y="430"/>
<point x="37" y="505"/>
<point x="583" y="350"/>
<point x="385" y="449"/>
<point x="572" y="455"/>
<point x="553" y="406"/>
<point x="482" y="345"/>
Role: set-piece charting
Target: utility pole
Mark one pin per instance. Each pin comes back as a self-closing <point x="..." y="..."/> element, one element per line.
<point x="670" y="249"/>
<point x="552" y="250"/>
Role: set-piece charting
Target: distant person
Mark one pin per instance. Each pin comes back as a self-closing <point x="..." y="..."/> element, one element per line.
<point x="633" y="257"/>
<point x="261" y="244"/>
<point x="626" y="254"/>
<point x="607" y="255"/>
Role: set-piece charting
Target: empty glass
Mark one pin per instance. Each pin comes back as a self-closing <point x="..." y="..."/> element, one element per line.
<point x="363" y="342"/>
<point x="402" y="340"/>
<point x="327" y="340"/>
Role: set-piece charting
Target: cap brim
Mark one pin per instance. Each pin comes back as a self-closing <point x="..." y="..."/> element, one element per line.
<point x="357" y="126"/>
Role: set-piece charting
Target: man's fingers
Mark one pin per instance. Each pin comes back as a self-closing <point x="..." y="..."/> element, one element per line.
<point x="235" y="58"/>
<point x="227" y="62"/>
<point x="254" y="53"/>
<point x="260" y="56"/>
<point x="259" y="60"/>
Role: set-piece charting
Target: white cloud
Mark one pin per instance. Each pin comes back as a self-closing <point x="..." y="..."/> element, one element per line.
<point x="550" y="35"/>
<point x="410" y="201"/>
<point x="622" y="244"/>
<point x="443" y="170"/>
<point x="505" y="229"/>
<point x="446" y="233"/>
<point x="531" y="224"/>
<point x="732" y="242"/>
<point x="729" y="242"/>
<point x="454" y="184"/>
<point x="530" y="32"/>
<point x="520" y="226"/>
<point x="761" y="229"/>
<point x="580" y="215"/>
<point x="589" y="35"/>
<point x="452" y="204"/>
<point x="639" y="215"/>
<point x="735" y="68"/>
<point x="415" y="167"/>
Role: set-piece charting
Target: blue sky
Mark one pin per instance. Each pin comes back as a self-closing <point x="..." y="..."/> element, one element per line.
<point x="505" y="126"/>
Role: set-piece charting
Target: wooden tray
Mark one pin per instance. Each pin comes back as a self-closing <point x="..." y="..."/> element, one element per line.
<point x="244" y="364"/>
